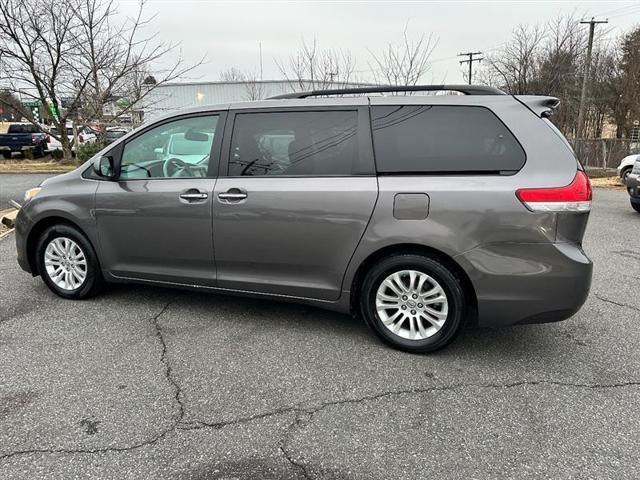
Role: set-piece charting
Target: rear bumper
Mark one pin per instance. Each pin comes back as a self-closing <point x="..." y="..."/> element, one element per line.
<point x="519" y="283"/>
<point x="17" y="148"/>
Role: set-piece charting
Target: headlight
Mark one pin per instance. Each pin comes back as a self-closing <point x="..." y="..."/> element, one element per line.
<point x="32" y="192"/>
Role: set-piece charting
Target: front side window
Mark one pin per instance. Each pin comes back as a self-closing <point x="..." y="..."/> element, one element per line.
<point x="439" y="138"/>
<point x="177" y="149"/>
<point x="316" y="143"/>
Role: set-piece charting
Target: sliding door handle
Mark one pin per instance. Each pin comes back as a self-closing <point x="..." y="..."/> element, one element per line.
<point x="232" y="196"/>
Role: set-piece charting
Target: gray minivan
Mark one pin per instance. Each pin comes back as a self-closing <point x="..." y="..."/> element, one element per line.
<point x="416" y="212"/>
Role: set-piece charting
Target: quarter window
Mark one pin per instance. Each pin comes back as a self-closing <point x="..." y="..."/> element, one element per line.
<point x="177" y="149"/>
<point x="314" y="143"/>
<point x="436" y="138"/>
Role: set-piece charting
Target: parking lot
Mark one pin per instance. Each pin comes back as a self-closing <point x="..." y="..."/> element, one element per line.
<point x="154" y="383"/>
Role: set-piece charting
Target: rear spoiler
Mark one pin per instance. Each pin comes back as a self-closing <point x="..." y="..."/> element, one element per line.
<point x="542" y="106"/>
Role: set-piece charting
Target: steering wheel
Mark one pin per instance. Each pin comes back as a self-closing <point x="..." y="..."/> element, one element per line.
<point x="174" y="167"/>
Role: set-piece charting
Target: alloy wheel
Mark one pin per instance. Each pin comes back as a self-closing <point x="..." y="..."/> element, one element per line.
<point x="65" y="263"/>
<point x="412" y="304"/>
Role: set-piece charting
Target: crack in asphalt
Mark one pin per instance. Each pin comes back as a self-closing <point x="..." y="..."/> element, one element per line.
<point x="151" y="441"/>
<point x="409" y="391"/>
<point x="167" y="367"/>
<point x="613" y="302"/>
<point x="310" y="412"/>
<point x="303" y="416"/>
<point x="283" y="444"/>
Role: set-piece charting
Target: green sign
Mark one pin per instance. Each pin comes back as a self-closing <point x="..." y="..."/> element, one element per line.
<point x="53" y="111"/>
<point x="31" y="103"/>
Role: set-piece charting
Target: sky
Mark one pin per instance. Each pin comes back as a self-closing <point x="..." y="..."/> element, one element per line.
<point x="229" y="34"/>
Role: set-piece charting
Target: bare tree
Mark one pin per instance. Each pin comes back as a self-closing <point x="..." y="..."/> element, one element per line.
<point x="404" y="63"/>
<point x="549" y="60"/>
<point x="233" y="74"/>
<point x="559" y="68"/>
<point x="72" y="57"/>
<point x="514" y="67"/>
<point x="254" y="88"/>
<point x="627" y="80"/>
<point x="317" y="69"/>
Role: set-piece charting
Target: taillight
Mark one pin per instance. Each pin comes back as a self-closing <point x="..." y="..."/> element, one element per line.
<point x="47" y="139"/>
<point x="575" y="197"/>
<point x="80" y="138"/>
<point x="33" y="139"/>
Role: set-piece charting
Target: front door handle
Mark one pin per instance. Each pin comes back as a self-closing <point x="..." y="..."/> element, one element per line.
<point x="232" y="195"/>
<point x="193" y="195"/>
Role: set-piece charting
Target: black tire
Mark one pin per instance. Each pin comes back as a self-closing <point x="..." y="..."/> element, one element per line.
<point x="636" y="206"/>
<point x="6" y="155"/>
<point x="624" y="173"/>
<point x="93" y="279"/>
<point x="38" y="152"/>
<point x="448" y="280"/>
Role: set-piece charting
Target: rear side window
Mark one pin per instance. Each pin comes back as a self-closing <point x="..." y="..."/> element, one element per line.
<point x="442" y="139"/>
<point x="22" y="129"/>
<point x="314" y="143"/>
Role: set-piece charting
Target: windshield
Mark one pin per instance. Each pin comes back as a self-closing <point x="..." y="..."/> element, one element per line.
<point x="180" y="146"/>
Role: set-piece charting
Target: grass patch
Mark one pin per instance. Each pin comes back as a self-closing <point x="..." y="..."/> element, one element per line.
<point x="34" y="166"/>
<point x="613" y="183"/>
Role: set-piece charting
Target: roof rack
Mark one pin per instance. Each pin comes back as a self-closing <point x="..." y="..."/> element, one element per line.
<point x="466" y="89"/>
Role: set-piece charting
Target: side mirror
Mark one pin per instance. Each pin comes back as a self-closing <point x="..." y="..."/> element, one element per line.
<point x="104" y="167"/>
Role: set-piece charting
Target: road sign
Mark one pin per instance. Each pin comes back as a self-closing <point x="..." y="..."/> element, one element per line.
<point x="53" y="111"/>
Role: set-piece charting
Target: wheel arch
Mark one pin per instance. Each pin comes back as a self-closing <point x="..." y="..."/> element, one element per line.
<point x="411" y="248"/>
<point x="625" y="169"/>
<point x="36" y="232"/>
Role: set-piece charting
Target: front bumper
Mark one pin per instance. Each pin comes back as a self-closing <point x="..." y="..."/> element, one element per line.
<point x="22" y="227"/>
<point x="519" y="283"/>
<point x="633" y="185"/>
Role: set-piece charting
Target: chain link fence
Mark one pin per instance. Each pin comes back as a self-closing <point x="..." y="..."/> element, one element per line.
<point x="603" y="152"/>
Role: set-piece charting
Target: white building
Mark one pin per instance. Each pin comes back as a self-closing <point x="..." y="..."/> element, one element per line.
<point x="170" y="97"/>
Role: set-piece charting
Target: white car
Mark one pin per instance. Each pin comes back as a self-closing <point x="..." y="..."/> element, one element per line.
<point x="85" y="136"/>
<point x="626" y="165"/>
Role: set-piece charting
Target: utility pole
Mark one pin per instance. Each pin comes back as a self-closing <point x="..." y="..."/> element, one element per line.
<point x="260" y="46"/>
<point x="587" y="71"/>
<point x="470" y="62"/>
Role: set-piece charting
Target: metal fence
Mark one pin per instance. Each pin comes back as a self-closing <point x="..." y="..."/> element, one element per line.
<point x="603" y="152"/>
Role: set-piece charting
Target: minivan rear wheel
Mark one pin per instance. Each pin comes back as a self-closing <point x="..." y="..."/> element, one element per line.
<point x="413" y="302"/>
<point x="67" y="263"/>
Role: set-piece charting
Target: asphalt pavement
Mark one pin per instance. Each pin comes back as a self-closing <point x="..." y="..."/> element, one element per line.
<point x="152" y="383"/>
<point x="13" y="186"/>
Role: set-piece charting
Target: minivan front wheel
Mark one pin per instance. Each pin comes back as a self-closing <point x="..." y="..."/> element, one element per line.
<point x="413" y="302"/>
<point x="67" y="263"/>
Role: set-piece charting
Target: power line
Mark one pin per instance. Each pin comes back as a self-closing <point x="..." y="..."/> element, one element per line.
<point x="470" y="61"/>
<point x="619" y="11"/>
<point x="625" y="13"/>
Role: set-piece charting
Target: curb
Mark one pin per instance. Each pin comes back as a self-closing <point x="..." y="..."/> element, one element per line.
<point x="5" y="234"/>
<point x="8" y="217"/>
